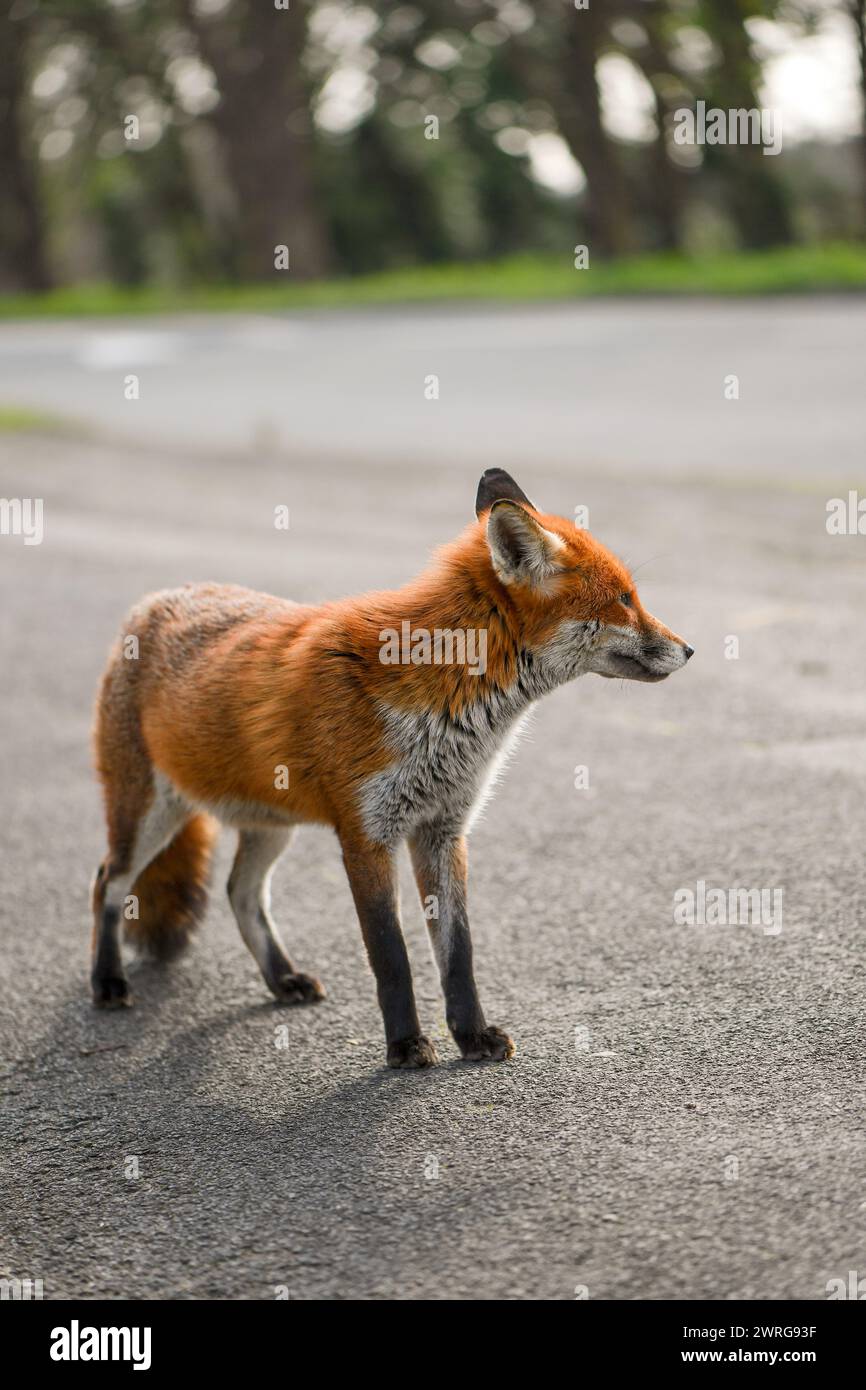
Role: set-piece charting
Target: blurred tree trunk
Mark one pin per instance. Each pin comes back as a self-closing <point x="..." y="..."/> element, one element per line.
<point x="578" y="109"/>
<point x="266" y="132"/>
<point x="857" y="10"/>
<point x="756" y="201"/>
<point x="562" y="73"/>
<point x="23" y="263"/>
<point x="667" y="179"/>
<point x="666" y="184"/>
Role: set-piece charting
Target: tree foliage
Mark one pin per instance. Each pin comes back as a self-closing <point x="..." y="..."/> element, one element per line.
<point x="166" y="141"/>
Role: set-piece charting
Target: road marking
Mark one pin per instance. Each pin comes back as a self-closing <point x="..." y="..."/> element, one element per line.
<point x="107" y="351"/>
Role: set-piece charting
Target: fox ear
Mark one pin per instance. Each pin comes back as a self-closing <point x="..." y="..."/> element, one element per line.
<point x="498" y="486"/>
<point x="521" y="550"/>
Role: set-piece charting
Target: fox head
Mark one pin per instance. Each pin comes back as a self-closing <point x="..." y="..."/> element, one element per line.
<point x="574" y="604"/>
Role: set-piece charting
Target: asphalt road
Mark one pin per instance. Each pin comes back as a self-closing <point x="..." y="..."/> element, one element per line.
<point x="624" y="387"/>
<point x="684" y="1114"/>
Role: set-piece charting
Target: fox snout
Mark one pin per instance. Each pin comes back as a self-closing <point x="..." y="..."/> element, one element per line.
<point x="646" y="652"/>
<point x="664" y="655"/>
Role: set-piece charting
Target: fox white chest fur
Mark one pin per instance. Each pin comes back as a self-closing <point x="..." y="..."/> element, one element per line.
<point x="442" y="770"/>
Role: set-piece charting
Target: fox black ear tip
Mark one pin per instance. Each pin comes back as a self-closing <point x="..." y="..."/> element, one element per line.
<point x="498" y="486"/>
<point x="493" y="477"/>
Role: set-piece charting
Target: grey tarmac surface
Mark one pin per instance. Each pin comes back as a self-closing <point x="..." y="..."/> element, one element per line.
<point x="684" y="1116"/>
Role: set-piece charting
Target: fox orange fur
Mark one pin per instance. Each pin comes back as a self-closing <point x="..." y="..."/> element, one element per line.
<point x="263" y="714"/>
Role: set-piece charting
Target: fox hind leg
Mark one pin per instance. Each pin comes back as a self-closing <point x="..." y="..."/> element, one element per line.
<point x="134" y="846"/>
<point x="107" y="976"/>
<point x="249" y="895"/>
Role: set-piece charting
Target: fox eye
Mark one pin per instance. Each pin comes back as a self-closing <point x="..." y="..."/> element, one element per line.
<point x="625" y="599"/>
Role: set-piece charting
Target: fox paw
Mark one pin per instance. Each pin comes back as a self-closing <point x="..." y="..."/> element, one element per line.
<point x="490" y="1044"/>
<point x="297" y="989"/>
<point x="111" y="992"/>
<point x="410" y="1053"/>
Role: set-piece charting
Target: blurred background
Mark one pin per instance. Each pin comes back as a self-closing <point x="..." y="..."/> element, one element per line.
<point x="705" y="433"/>
<point x="175" y="143"/>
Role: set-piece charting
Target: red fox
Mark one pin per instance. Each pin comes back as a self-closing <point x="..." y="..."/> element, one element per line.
<point x="367" y="715"/>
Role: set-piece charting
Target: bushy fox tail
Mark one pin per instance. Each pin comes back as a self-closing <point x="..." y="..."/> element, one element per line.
<point x="172" y="891"/>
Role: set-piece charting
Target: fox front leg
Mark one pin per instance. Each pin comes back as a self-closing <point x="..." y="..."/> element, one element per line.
<point x="372" y="878"/>
<point x="440" y="863"/>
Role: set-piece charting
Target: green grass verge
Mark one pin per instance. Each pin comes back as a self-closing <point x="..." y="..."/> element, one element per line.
<point x="20" y="420"/>
<point x="786" y="270"/>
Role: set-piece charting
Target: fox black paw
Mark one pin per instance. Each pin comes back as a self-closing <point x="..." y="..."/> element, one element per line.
<point x="490" y="1044"/>
<point x="411" y="1053"/>
<point x="297" y="989"/>
<point x="111" y="992"/>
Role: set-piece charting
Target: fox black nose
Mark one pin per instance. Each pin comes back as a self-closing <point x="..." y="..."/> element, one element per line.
<point x="689" y="651"/>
